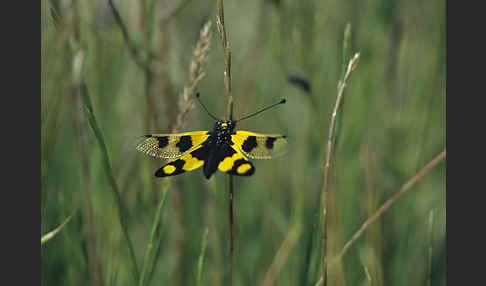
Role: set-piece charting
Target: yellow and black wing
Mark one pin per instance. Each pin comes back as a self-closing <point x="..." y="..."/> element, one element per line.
<point x="187" y="162"/>
<point x="170" y="146"/>
<point x="235" y="163"/>
<point x="232" y="161"/>
<point x="260" y="146"/>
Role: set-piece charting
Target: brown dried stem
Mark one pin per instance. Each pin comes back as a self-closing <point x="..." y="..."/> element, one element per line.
<point x="330" y="141"/>
<point x="185" y="105"/>
<point x="406" y="187"/>
<point x="282" y="255"/>
<point x="227" y="81"/>
<point x="232" y="235"/>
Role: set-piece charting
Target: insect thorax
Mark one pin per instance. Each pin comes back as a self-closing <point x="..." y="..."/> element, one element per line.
<point x="222" y="132"/>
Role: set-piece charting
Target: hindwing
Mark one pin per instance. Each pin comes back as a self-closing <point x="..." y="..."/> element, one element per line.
<point x="260" y="146"/>
<point x="235" y="163"/>
<point x="171" y="146"/>
<point x="187" y="162"/>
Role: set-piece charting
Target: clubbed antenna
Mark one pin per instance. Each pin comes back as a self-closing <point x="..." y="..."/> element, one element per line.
<point x="268" y="107"/>
<point x="198" y="99"/>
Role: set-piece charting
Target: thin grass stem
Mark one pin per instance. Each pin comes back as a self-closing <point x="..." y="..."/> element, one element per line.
<point x="227" y="81"/>
<point x="200" y="261"/>
<point x="392" y="200"/>
<point x="368" y="275"/>
<point x="231" y="225"/>
<point x="408" y="185"/>
<point x="149" y="258"/>
<point x="85" y="174"/>
<point x="109" y="173"/>
<point x="430" y="249"/>
<point x="185" y="105"/>
<point x="131" y="45"/>
<point x="325" y="190"/>
<point x="282" y="254"/>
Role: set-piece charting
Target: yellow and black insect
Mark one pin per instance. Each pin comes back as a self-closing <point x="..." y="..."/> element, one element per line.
<point x="224" y="148"/>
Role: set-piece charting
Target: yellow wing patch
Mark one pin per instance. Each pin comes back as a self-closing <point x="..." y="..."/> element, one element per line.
<point x="260" y="146"/>
<point x="242" y="169"/>
<point x="187" y="162"/>
<point x="169" y="169"/>
<point x="171" y="146"/>
<point x="236" y="163"/>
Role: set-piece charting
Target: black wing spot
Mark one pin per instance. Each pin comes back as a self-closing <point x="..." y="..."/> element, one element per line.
<point x="178" y="164"/>
<point x="163" y="141"/>
<point x="201" y="153"/>
<point x="185" y="143"/>
<point x="249" y="144"/>
<point x="269" y="142"/>
<point x="238" y="163"/>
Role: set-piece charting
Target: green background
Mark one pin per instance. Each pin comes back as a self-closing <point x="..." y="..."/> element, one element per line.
<point x="391" y="124"/>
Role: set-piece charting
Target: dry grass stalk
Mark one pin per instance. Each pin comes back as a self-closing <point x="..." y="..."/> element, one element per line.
<point x="220" y="22"/>
<point x="227" y="81"/>
<point x="227" y="57"/>
<point x="325" y="190"/>
<point x="195" y="75"/>
<point x="390" y="202"/>
<point x="368" y="276"/>
<point x="282" y="255"/>
<point x="407" y="186"/>
<point x="200" y="261"/>
<point x="185" y="105"/>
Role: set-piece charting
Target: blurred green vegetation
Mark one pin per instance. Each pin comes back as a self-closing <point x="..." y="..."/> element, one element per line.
<point x="392" y="124"/>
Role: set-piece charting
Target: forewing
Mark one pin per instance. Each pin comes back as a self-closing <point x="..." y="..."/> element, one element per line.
<point x="260" y="146"/>
<point x="171" y="146"/>
<point x="187" y="162"/>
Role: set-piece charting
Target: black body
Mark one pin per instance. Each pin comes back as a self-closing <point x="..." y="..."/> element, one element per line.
<point x="218" y="146"/>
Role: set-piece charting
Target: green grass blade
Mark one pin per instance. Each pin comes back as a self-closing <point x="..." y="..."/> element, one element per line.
<point x="200" y="262"/>
<point x="430" y="230"/>
<point x="150" y="260"/>
<point x="109" y="173"/>
<point x="346" y="54"/>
